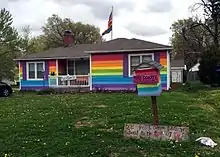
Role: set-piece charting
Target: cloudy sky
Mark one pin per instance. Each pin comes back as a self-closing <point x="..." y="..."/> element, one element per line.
<point x="144" y="19"/>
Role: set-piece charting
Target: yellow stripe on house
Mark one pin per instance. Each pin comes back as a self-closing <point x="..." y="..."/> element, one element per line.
<point x="110" y="67"/>
<point x="107" y="74"/>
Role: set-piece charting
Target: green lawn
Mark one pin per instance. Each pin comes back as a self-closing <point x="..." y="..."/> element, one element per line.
<point x="86" y="125"/>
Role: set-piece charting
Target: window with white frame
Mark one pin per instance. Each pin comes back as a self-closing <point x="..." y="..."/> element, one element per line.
<point x="35" y="70"/>
<point x="78" y="67"/>
<point x="135" y="60"/>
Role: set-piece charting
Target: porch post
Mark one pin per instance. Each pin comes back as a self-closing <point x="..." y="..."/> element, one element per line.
<point x="90" y="72"/>
<point x="67" y="72"/>
<point x="168" y="71"/>
<point x="19" y="77"/>
<point x="57" y="71"/>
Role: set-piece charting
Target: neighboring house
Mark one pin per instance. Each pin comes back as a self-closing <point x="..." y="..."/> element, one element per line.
<point x="177" y="70"/>
<point x="195" y="68"/>
<point x="193" y="72"/>
<point x="102" y="66"/>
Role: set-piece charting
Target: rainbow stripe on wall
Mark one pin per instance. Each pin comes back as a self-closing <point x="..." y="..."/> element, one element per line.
<point x="20" y="71"/>
<point x="52" y="69"/>
<point x="107" y="65"/>
<point x="163" y="71"/>
<point x="52" y="66"/>
<point x="107" y="73"/>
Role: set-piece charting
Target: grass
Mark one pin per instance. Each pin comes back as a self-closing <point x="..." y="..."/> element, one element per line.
<point x="87" y="125"/>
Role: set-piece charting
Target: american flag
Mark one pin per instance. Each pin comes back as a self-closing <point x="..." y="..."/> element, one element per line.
<point x="109" y="29"/>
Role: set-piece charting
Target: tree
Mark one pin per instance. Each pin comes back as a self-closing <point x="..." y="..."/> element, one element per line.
<point x="188" y="42"/>
<point x="31" y="44"/>
<point x="9" y="41"/>
<point x="37" y="44"/>
<point x="211" y="23"/>
<point x="82" y="33"/>
<point x="25" y="40"/>
<point x="207" y="68"/>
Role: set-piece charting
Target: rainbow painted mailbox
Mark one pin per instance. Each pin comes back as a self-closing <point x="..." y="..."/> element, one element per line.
<point x="148" y="81"/>
<point x="147" y="78"/>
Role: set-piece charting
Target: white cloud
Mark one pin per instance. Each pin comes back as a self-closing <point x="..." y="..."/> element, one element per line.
<point x="145" y="30"/>
<point x="148" y="20"/>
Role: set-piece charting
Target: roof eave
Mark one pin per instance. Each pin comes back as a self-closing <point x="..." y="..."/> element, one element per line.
<point x="128" y="50"/>
<point x="48" y="58"/>
<point x="177" y="67"/>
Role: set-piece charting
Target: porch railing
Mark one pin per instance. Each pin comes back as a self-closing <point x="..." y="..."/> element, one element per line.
<point x="69" y="81"/>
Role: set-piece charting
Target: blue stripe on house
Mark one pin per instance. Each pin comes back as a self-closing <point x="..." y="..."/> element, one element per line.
<point x="112" y="80"/>
<point x="34" y="83"/>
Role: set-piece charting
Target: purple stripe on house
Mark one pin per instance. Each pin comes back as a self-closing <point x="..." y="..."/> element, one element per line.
<point x="157" y="57"/>
<point x="30" y="88"/>
<point x="115" y="86"/>
<point x="125" y="65"/>
<point x="164" y="86"/>
<point x="46" y="73"/>
<point x="24" y="68"/>
<point x="120" y="87"/>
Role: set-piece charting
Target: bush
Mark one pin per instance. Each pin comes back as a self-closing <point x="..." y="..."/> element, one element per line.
<point x="46" y="91"/>
<point x="207" y="69"/>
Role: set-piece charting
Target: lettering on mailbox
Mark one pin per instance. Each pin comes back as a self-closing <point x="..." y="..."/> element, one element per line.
<point x="146" y="79"/>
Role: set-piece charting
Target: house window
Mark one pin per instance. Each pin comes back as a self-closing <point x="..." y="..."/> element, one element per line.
<point x="135" y="60"/>
<point x="35" y="70"/>
<point x="71" y="67"/>
<point x="78" y="67"/>
<point x="82" y="67"/>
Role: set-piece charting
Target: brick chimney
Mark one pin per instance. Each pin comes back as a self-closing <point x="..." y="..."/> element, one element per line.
<point x="67" y="38"/>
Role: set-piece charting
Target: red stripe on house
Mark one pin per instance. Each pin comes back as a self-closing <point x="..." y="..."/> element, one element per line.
<point x="163" y="55"/>
<point x="107" y="57"/>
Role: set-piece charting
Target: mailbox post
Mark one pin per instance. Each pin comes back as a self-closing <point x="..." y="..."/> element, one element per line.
<point x="147" y="79"/>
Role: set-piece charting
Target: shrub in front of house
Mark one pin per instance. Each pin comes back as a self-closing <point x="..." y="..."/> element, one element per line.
<point x="47" y="91"/>
<point x="207" y="69"/>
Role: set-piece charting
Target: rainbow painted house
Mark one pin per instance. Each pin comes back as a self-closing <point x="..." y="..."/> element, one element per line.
<point x="146" y="76"/>
<point x="100" y="66"/>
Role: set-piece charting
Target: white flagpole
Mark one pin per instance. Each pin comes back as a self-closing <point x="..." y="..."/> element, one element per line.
<point x="112" y="24"/>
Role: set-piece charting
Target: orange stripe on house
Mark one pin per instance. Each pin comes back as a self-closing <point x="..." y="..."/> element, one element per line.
<point x="107" y="65"/>
<point x="108" y="62"/>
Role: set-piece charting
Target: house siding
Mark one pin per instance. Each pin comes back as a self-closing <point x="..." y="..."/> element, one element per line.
<point x="164" y="71"/>
<point x="108" y="72"/>
<point x="111" y="71"/>
<point x="52" y="68"/>
<point x="32" y="84"/>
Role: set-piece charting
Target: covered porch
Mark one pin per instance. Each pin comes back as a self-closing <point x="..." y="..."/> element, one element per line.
<point x="65" y="73"/>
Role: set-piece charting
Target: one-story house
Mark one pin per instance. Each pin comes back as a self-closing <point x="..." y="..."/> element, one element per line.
<point x="101" y="66"/>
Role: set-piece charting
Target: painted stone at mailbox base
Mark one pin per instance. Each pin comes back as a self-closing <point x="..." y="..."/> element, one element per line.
<point x="158" y="132"/>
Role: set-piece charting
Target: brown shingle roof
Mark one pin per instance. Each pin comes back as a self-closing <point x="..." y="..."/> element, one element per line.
<point x="79" y="51"/>
<point x="177" y="63"/>
<point x="76" y="51"/>
<point x="123" y="44"/>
